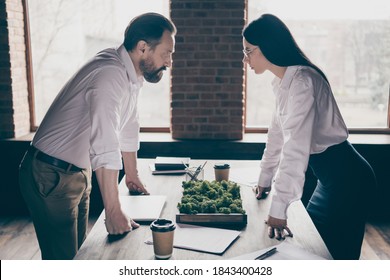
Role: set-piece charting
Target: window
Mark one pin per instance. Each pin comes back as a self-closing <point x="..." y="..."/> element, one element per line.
<point x="64" y="34"/>
<point x="349" y="40"/>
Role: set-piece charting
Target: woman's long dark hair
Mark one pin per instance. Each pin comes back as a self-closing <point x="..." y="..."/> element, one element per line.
<point x="276" y="42"/>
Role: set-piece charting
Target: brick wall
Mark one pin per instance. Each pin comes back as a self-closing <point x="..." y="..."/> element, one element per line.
<point x="14" y="109"/>
<point x="207" y="74"/>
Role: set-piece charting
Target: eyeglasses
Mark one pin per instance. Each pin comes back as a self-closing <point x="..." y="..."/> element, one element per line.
<point x="247" y="52"/>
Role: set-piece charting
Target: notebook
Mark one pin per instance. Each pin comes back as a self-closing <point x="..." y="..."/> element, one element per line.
<point x="166" y="172"/>
<point x="171" y="163"/>
<point x="143" y="208"/>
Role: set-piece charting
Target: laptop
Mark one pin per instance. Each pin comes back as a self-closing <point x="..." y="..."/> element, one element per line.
<point x="143" y="208"/>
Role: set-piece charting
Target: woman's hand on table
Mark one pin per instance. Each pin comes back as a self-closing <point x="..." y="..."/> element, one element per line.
<point x="261" y="192"/>
<point x="277" y="228"/>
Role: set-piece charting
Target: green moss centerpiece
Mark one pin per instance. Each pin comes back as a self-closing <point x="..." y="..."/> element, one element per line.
<point x="211" y="203"/>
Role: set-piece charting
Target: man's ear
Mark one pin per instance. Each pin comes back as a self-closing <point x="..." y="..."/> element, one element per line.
<point x="141" y="46"/>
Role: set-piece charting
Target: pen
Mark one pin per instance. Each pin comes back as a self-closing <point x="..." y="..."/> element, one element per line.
<point x="192" y="176"/>
<point x="188" y="171"/>
<point x="198" y="170"/>
<point x="267" y="254"/>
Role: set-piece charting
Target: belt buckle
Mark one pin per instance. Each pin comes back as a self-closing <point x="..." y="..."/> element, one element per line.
<point x="69" y="167"/>
<point x="72" y="167"/>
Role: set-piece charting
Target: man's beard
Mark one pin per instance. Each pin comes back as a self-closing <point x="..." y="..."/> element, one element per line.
<point x="151" y="74"/>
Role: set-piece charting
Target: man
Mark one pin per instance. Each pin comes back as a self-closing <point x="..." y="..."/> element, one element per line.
<point x="93" y="124"/>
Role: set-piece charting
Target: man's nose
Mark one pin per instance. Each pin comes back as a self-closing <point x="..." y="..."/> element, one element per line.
<point x="168" y="63"/>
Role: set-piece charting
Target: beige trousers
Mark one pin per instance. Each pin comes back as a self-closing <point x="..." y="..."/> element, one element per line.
<point x="58" y="201"/>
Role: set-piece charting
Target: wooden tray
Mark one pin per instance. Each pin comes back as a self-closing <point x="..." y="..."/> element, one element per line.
<point x="214" y="220"/>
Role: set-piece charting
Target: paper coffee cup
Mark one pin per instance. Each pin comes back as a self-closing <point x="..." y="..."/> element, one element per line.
<point x="162" y="233"/>
<point x="221" y="171"/>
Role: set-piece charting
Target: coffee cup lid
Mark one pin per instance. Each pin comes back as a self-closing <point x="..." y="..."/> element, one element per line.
<point x="162" y="225"/>
<point x="221" y="166"/>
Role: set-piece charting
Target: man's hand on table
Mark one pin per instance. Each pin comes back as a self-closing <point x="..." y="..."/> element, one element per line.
<point x="118" y="223"/>
<point x="135" y="185"/>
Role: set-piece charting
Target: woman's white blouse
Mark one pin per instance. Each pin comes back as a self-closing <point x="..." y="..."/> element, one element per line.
<point x="306" y="121"/>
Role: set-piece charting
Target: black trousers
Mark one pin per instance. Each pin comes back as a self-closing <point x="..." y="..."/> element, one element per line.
<point x="338" y="206"/>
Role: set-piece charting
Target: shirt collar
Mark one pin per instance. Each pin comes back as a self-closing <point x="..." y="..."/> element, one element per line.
<point x="288" y="76"/>
<point x="128" y="63"/>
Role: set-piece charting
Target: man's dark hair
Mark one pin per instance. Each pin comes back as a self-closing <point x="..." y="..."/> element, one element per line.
<point x="148" y="27"/>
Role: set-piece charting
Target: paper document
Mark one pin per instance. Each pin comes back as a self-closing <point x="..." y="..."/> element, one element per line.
<point x="143" y="208"/>
<point x="284" y="251"/>
<point x="245" y="176"/>
<point x="204" y="239"/>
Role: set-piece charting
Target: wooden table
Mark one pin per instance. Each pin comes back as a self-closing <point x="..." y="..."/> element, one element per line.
<point x="253" y="237"/>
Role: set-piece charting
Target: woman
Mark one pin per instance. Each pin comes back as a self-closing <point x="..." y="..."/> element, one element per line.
<point x="307" y="129"/>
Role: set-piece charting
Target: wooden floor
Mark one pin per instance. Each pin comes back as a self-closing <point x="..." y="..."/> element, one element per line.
<point x="18" y="240"/>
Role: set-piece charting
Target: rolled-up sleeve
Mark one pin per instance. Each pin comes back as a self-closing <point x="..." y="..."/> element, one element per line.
<point x="105" y="96"/>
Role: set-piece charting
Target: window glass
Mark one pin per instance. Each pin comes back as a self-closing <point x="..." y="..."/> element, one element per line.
<point x="66" y="33"/>
<point x="349" y="40"/>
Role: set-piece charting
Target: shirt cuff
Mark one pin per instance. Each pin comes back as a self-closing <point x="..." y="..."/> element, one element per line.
<point x="265" y="180"/>
<point x="111" y="160"/>
<point x="278" y="209"/>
